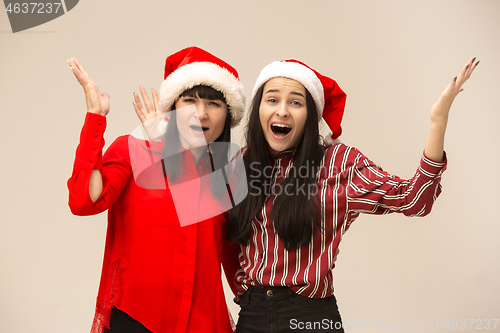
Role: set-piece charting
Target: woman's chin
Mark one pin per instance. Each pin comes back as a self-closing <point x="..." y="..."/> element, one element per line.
<point x="276" y="148"/>
<point x="199" y="142"/>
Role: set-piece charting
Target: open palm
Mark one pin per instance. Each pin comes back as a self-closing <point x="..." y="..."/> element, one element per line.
<point x="151" y="114"/>
<point x="441" y="108"/>
<point x="96" y="101"/>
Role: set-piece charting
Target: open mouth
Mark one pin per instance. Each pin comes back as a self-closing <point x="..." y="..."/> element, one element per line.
<point x="280" y="130"/>
<point x="199" y="129"/>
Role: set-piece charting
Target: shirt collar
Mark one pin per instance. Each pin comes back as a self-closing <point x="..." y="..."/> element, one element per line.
<point x="204" y="162"/>
<point x="284" y="153"/>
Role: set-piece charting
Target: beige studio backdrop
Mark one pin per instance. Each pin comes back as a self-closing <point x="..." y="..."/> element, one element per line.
<point x="393" y="58"/>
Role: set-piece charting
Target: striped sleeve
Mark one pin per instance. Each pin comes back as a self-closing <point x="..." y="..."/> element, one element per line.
<point x="374" y="191"/>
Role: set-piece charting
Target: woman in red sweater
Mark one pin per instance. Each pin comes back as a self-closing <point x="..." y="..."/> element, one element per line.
<point x="161" y="232"/>
<point x="304" y="193"/>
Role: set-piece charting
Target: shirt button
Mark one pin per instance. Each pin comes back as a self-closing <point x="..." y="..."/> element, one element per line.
<point x="262" y="255"/>
<point x="269" y="293"/>
<point x="94" y="147"/>
<point x="91" y="160"/>
<point x="99" y="122"/>
<point x="96" y="134"/>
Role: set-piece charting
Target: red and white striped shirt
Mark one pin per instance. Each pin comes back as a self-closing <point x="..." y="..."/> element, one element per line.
<point x="348" y="184"/>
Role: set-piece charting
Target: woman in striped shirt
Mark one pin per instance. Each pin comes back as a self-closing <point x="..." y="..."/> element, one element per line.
<point x="303" y="194"/>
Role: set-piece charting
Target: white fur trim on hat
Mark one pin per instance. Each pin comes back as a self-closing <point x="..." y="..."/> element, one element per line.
<point x="328" y="141"/>
<point x="209" y="74"/>
<point x="294" y="71"/>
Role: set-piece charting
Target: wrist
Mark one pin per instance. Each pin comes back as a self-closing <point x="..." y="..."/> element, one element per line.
<point x="439" y="123"/>
<point x="99" y="112"/>
<point x="96" y="113"/>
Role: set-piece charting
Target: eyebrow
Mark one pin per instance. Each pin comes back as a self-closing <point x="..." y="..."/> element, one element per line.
<point x="292" y="93"/>
<point x="198" y="97"/>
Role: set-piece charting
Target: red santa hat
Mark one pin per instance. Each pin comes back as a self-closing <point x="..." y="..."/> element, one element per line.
<point x="193" y="66"/>
<point x="327" y="95"/>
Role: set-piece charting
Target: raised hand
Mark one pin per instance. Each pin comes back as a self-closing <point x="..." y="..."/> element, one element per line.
<point x="151" y="111"/>
<point x="150" y="116"/>
<point x="96" y="102"/>
<point x="441" y="108"/>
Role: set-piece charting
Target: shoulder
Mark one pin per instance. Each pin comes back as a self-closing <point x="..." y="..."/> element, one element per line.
<point x="340" y="154"/>
<point x="120" y="143"/>
<point x="119" y="148"/>
<point x="138" y="154"/>
<point x="122" y="140"/>
<point x="339" y="149"/>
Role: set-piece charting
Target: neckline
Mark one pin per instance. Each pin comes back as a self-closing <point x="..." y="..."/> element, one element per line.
<point x="284" y="153"/>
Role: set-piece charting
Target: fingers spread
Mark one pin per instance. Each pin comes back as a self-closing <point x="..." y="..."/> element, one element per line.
<point x="147" y="102"/>
<point x="473" y="65"/>
<point x="156" y="100"/>
<point x="466" y="73"/>
<point x="137" y="100"/>
<point x="139" y="111"/>
<point x="138" y="107"/>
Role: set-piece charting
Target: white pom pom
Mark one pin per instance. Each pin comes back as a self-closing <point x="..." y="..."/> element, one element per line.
<point x="329" y="141"/>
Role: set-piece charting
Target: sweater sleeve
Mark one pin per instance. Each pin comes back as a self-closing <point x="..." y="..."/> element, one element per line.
<point x="114" y="167"/>
<point x="372" y="190"/>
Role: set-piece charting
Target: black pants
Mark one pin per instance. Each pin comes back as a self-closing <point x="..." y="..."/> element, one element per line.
<point x="121" y="322"/>
<point x="279" y="310"/>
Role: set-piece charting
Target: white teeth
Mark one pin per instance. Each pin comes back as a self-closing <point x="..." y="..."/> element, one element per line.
<point x="282" y="125"/>
<point x="199" y="128"/>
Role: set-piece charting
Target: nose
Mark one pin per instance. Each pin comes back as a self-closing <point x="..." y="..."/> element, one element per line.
<point x="282" y="110"/>
<point x="201" y="110"/>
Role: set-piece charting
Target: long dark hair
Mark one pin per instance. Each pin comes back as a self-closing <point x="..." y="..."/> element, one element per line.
<point x="172" y="159"/>
<point x="294" y="216"/>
